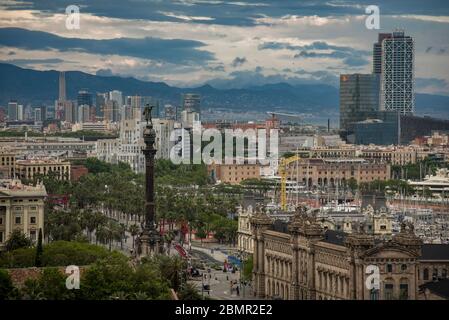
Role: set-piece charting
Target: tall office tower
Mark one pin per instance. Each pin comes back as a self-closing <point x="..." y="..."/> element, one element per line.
<point x="84" y="98"/>
<point x="118" y="109"/>
<point x="191" y="102"/>
<point x="62" y="96"/>
<point x="43" y="113"/>
<point x="100" y="104"/>
<point x="60" y="103"/>
<point x="70" y="113"/>
<point x="397" y="74"/>
<point x="134" y="103"/>
<point x="83" y="113"/>
<point x="28" y="113"/>
<point x="111" y="111"/>
<point x="12" y="111"/>
<point x="92" y="114"/>
<point x="377" y="52"/>
<point x="359" y="95"/>
<point x="20" y="112"/>
<point x="37" y="114"/>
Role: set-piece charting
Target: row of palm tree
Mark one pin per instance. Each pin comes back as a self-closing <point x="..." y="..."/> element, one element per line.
<point x="118" y="194"/>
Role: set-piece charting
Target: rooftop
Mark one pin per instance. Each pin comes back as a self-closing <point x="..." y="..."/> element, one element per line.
<point x="11" y="187"/>
<point x="435" y="252"/>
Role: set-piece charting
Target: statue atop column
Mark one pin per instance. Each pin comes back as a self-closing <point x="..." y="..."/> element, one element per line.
<point x="150" y="239"/>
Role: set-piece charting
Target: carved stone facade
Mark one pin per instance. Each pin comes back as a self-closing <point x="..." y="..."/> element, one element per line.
<point x="308" y="262"/>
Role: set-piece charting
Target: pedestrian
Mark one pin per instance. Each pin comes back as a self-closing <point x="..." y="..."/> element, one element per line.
<point x="238" y="291"/>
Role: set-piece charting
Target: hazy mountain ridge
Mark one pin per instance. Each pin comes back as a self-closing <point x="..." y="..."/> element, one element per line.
<point x="41" y="87"/>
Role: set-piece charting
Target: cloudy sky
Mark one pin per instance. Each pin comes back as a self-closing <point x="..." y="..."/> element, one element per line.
<point x="224" y="43"/>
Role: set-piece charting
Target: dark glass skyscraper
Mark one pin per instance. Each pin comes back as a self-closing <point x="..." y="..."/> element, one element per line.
<point x="359" y="94"/>
<point x="84" y="98"/>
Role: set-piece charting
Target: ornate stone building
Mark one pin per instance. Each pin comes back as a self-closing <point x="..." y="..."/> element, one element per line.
<point x="22" y="208"/>
<point x="303" y="261"/>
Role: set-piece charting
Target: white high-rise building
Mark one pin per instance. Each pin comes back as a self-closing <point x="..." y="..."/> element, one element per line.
<point x="83" y="113"/>
<point x="119" y="113"/>
<point x="397" y="74"/>
<point x="128" y="147"/>
<point x="20" y="112"/>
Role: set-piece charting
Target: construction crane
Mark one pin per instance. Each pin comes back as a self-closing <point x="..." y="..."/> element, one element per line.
<point x="283" y="173"/>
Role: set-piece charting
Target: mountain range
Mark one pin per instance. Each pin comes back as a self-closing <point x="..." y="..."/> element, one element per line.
<point x="41" y="87"/>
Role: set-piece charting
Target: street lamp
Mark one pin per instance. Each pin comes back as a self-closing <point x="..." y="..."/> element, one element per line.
<point x="242" y="268"/>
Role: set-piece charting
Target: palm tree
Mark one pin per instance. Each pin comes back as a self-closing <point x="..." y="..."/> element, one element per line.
<point x="134" y="230"/>
<point x="189" y="292"/>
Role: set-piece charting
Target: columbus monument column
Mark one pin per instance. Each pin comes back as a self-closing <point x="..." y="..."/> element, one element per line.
<point x="150" y="241"/>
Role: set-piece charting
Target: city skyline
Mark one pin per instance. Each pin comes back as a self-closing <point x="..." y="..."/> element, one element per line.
<point x="188" y="43"/>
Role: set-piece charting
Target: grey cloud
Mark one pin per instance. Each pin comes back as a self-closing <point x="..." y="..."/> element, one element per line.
<point x="237" y="62"/>
<point x="28" y="62"/>
<point x="173" y="50"/>
<point x="230" y="12"/>
<point x="104" y="72"/>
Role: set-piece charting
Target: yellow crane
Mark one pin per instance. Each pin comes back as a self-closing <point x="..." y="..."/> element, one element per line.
<point x="283" y="173"/>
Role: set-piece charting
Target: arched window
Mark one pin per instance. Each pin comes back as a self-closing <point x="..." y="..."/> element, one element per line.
<point x="426" y="274"/>
<point x="388" y="289"/>
<point x="403" y="289"/>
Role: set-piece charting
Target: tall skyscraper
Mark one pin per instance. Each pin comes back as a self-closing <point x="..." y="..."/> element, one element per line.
<point x="100" y="104"/>
<point x="37" y="114"/>
<point x="111" y="111"/>
<point x="70" y="112"/>
<point x="84" y="98"/>
<point x="20" y="112"/>
<point x="191" y="102"/>
<point x="377" y="52"/>
<point x="118" y="111"/>
<point x="134" y="104"/>
<point x="60" y="103"/>
<point x="359" y="95"/>
<point x="83" y="113"/>
<point x="62" y="93"/>
<point x="12" y="111"/>
<point x="397" y="73"/>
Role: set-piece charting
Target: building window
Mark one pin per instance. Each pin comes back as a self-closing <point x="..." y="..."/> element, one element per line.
<point x="388" y="292"/>
<point x="389" y="268"/>
<point x="1" y="220"/>
<point x="32" y="220"/>
<point x="18" y="220"/>
<point x="1" y="237"/>
<point x="33" y="235"/>
<point x="403" y="291"/>
<point x="435" y="274"/>
<point x="403" y="267"/>
<point x="426" y="274"/>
